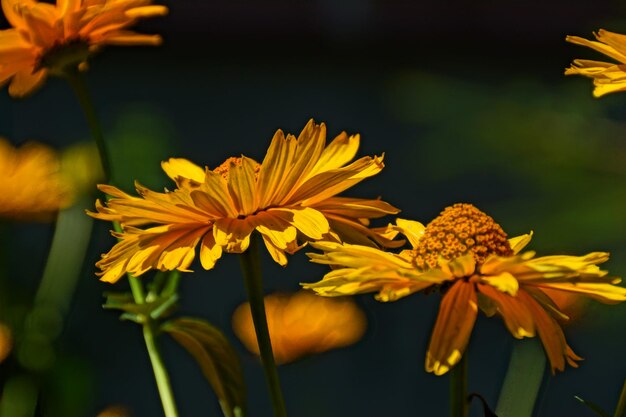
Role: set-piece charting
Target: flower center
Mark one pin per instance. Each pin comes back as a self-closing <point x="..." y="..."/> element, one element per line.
<point x="226" y="166"/>
<point x="65" y="56"/>
<point x="461" y="229"/>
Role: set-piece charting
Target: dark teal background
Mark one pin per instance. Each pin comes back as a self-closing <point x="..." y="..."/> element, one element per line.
<point x="469" y="104"/>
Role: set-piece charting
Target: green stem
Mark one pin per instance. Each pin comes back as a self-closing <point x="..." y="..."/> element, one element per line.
<point x="459" y="406"/>
<point x="77" y="82"/>
<point x="160" y="373"/>
<point x="161" y="376"/>
<point x="620" y="410"/>
<point x="251" y="267"/>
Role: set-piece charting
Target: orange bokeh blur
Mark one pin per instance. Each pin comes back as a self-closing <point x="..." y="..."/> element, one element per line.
<point x="302" y="323"/>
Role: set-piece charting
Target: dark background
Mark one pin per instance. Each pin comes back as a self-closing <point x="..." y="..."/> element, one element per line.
<point x="469" y="104"/>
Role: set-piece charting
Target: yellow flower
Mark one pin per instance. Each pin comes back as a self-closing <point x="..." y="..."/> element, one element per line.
<point x="465" y="255"/>
<point x="301" y="324"/>
<point x="289" y="198"/>
<point x="31" y="183"/>
<point x="48" y="38"/>
<point x="607" y="77"/>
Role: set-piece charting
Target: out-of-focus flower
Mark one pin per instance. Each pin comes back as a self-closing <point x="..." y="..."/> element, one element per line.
<point x="31" y="183"/>
<point x="607" y="77"/>
<point x="53" y="38"/>
<point x="302" y="324"/>
<point x="6" y="341"/>
<point x="115" y="411"/>
<point x="81" y="168"/>
<point x="467" y="256"/>
<point x="289" y="198"/>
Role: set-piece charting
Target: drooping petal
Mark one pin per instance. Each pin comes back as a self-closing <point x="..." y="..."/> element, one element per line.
<point x="551" y="335"/>
<point x="455" y="321"/>
<point x="517" y="317"/>
<point x="233" y="234"/>
<point x="308" y="221"/>
<point x="210" y="252"/>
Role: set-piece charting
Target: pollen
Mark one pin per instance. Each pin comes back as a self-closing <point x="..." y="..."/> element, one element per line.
<point x="227" y="165"/>
<point x="461" y="229"/>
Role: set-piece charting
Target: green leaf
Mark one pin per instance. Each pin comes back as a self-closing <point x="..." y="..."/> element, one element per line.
<point x="217" y="359"/>
<point x="158" y="307"/>
<point x="523" y="379"/>
<point x="593" y="407"/>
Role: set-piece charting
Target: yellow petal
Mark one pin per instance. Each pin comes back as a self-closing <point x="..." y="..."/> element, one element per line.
<point x="504" y="282"/>
<point x="241" y="184"/>
<point x="461" y="267"/>
<point x="209" y="252"/>
<point x="25" y="82"/>
<point x="180" y="167"/>
<point x="338" y="153"/>
<point x="308" y="221"/>
<point x="233" y="234"/>
<point x="519" y="242"/>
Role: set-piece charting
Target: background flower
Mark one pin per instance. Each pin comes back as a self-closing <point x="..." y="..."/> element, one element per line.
<point x="302" y="323"/>
<point x="48" y="38"/>
<point x="32" y="185"/>
<point x="607" y="77"/>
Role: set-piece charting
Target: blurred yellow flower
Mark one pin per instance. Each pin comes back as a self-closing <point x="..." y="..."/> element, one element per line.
<point x="289" y="198"/>
<point x="51" y="38"/>
<point x="81" y="168"/>
<point x="32" y="187"/>
<point x="6" y="341"/>
<point x="466" y="256"/>
<point x="607" y="77"/>
<point x="302" y="324"/>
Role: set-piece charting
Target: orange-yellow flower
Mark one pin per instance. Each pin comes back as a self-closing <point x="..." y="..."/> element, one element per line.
<point x="302" y="324"/>
<point x="32" y="185"/>
<point x="6" y="341"/>
<point x="467" y="256"/>
<point x="51" y="38"/>
<point x="607" y="77"/>
<point x="289" y="198"/>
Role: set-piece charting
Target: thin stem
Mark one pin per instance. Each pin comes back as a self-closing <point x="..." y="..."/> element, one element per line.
<point x="620" y="410"/>
<point x="251" y="268"/>
<point x="161" y="376"/>
<point x="160" y="373"/>
<point x="459" y="406"/>
<point x="77" y="82"/>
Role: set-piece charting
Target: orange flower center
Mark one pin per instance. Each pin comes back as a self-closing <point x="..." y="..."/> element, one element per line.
<point x="226" y="166"/>
<point x="458" y="230"/>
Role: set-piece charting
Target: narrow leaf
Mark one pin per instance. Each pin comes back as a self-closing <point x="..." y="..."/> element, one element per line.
<point x="593" y="407"/>
<point x="523" y="380"/>
<point x="217" y="360"/>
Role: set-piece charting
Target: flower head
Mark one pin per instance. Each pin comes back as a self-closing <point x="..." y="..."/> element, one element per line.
<point x="31" y="182"/>
<point x="465" y="255"/>
<point x="607" y="77"/>
<point x="52" y="38"/>
<point x="302" y="324"/>
<point x="289" y="198"/>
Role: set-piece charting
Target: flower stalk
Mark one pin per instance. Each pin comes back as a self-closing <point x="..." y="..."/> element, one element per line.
<point x="78" y="85"/>
<point x="459" y="405"/>
<point x="251" y="267"/>
<point x="161" y="376"/>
